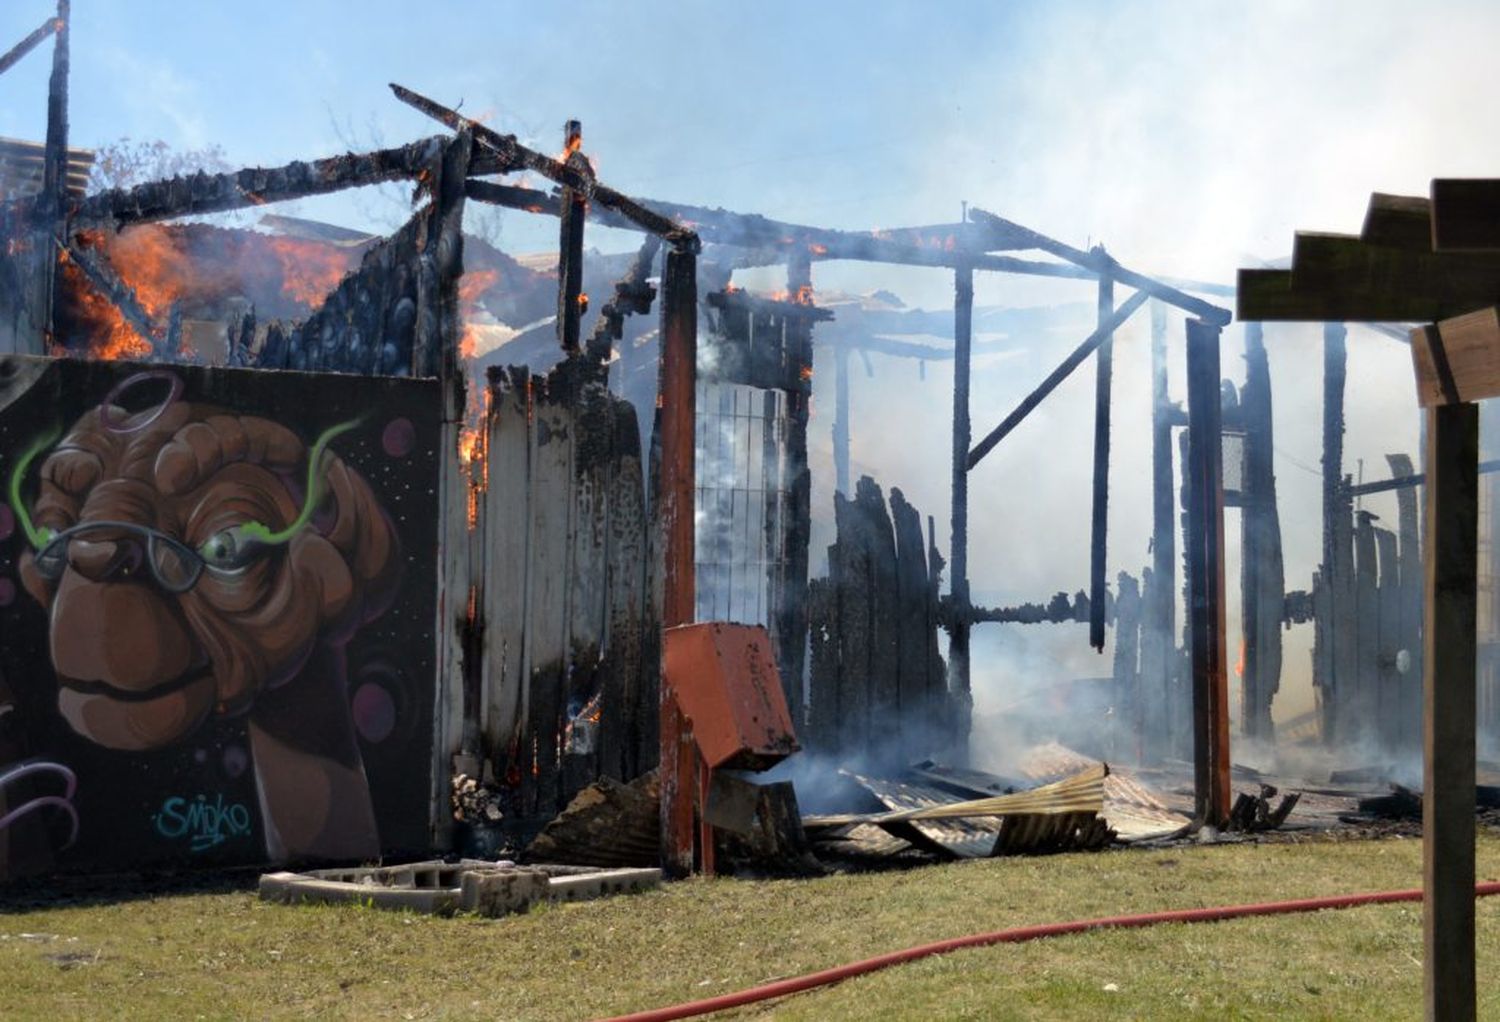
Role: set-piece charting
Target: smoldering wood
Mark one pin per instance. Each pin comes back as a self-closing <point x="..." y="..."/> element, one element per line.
<point x="789" y="601"/>
<point x="98" y="272"/>
<point x="1099" y="520"/>
<point x="878" y="691"/>
<point x="515" y="156"/>
<point x="26" y="45"/>
<point x="961" y="463"/>
<point x="1263" y="582"/>
<point x="841" y="420"/>
<point x="1329" y="590"/>
<point x="633" y="296"/>
<point x="1205" y="549"/>
<point x="772" y="239"/>
<point x="1409" y="481"/>
<point x="200" y="193"/>
<point x="570" y="295"/>
<point x="1013" y="235"/>
<point x="1158" y="649"/>
<point x="54" y="194"/>
<point x="1062" y="372"/>
<point x="673" y="506"/>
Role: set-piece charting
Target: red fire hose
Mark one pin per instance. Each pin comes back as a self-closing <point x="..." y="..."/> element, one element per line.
<point x="797" y="984"/>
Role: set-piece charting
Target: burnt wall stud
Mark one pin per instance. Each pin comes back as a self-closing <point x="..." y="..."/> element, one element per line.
<point x="958" y="633"/>
<point x="679" y="354"/>
<point x="1205" y="486"/>
<point x="1104" y="374"/>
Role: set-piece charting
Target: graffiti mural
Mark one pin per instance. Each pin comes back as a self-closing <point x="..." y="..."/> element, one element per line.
<point x="216" y="603"/>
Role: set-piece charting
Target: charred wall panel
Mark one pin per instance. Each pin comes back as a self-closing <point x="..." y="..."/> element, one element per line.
<point x="877" y="691"/>
<point x="569" y="675"/>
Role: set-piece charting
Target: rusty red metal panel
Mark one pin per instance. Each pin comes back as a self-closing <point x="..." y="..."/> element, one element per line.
<point x="725" y="679"/>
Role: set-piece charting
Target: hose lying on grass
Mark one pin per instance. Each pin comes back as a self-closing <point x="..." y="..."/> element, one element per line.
<point x="796" y="984"/>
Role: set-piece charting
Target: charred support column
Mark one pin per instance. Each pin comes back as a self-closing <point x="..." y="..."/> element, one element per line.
<point x="1263" y="575"/>
<point x="1104" y="373"/>
<point x="1158" y="644"/>
<point x="841" y="419"/>
<point x="1332" y="582"/>
<point x="1205" y="486"/>
<point x="791" y="612"/>
<point x="1449" y="649"/>
<point x="52" y="207"/>
<point x="570" y="245"/>
<point x="958" y="635"/>
<point x="678" y="396"/>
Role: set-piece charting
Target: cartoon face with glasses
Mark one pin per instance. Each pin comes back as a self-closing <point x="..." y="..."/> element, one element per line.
<point x="196" y="562"/>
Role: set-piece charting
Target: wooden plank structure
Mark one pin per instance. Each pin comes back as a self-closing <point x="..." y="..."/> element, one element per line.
<point x="554" y="591"/>
<point x="877" y="693"/>
<point x="1448" y="275"/>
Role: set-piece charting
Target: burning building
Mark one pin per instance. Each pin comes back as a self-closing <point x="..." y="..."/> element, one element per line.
<point x="519" y="481"/>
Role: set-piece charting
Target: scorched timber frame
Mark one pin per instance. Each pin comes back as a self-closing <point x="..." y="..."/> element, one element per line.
<point x="449" y="169"/>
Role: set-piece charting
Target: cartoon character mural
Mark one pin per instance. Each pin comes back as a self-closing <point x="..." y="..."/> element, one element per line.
<point x="204" y="567"/>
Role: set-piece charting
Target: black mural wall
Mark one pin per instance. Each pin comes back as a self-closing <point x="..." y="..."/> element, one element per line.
<point x="216" y="615"/>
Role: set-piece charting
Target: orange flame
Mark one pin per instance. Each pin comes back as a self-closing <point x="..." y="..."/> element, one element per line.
<point x="817" y="249"/>
<point x="309" y="271"/>
<point x="1239" y="665"/>
<point x="473" y="435"/>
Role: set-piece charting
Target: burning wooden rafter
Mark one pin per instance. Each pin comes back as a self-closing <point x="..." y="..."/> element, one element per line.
<point x="515" y="156"/>
<point x="255" y="186"/>
<point x="571" y="301"/>
<point x="121" y="295"/>
<point x="30" y="43"/>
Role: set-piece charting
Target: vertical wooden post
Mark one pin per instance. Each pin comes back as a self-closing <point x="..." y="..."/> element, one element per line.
<point x="570" y="246"/>
<point x="791" y="613"/>
<point x="841" y="419"/>
<point x="1335" y="618"/>
<point x="52" y="206"/>
<point x="1158" y="646"/>
<point x="678" y="397"/>
<point x="1263" y="575"/>
<point x="1448" y="640"/>
<point x="1103" y="379"/>
<point x="958" y="644"/>
<point x="1205" y="486"/>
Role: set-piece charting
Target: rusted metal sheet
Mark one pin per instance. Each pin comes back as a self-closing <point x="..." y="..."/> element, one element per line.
<point x="725" y="680"/>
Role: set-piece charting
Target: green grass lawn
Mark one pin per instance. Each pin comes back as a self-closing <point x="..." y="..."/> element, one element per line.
<point x="226" y="955"/>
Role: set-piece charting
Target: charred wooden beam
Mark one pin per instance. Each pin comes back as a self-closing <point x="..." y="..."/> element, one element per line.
<point x="677" y="430"/>
<point x="1263" y="580"/>
<point x="632" y="295"/>
<point x="516" y="156"/>
<point x="1406" y="482"/>
<point x="256" y="186"/>
<point x="1158" y="648"/>
<point x="121" y="295"/>
<point x="1335" y="616"/>
<point x="1014" y="235"/>
<point x="958" y="632"/>
<point x="772" y="239"/>
<point x="55" y="158"/>
<point x="28" y="44"/>
<point x="1104" y="374"/>
<point x="1062" y="372"/>
<point x="1205" y="486"/>
<point x="570" y="296"/>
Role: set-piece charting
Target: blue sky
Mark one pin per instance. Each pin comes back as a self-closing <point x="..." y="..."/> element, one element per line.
<point x="1187" y="137"/>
